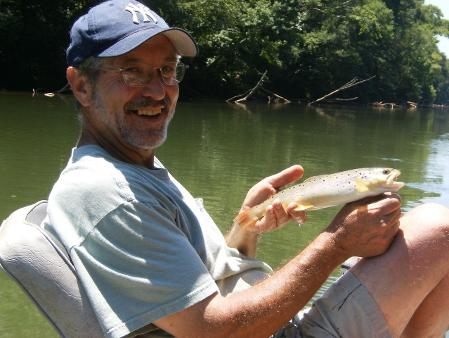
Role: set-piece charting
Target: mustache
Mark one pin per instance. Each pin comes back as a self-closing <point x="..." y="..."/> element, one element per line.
<point x="145" y="102"/>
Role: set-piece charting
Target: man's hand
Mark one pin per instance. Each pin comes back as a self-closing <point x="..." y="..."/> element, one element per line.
<point x="245" y="238"/>
<point x="367" y="227"/>
<point x="275" y="215"/>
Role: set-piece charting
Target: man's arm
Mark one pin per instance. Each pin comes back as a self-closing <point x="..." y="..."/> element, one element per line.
<point x="245" y="239"/>
<point x="364" y="228"/>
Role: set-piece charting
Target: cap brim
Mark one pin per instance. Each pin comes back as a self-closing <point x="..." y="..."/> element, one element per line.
<point x="182" y="41"/>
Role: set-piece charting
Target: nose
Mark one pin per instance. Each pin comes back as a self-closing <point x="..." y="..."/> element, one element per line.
<point x="155" y="88"/>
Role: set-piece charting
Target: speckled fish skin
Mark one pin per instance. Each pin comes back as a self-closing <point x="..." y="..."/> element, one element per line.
<point x="324" y="191"/>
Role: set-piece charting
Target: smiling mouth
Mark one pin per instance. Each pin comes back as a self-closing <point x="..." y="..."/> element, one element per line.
<point x="147" y="111"/>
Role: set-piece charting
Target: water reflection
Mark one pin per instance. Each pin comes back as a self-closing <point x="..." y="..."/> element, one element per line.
<point x="218" y="151"/>
<point x="435" y="186"/>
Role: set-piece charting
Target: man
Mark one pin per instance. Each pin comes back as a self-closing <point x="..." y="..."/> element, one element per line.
<point x="151" y="259"/>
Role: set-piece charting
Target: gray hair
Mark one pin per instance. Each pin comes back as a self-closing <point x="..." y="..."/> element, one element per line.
<point x="90" y="68"/>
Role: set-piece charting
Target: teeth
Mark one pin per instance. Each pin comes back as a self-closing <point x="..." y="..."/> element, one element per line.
<point x="148" y="112"/>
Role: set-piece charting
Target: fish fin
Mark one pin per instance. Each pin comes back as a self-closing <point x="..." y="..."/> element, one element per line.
<point x="243" y="218"/>
<point x="304" y="207"/>
<point x="361" y="185"/>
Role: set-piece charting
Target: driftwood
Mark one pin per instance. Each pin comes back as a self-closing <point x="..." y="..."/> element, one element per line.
<point x="412" y="105"/>
<point x="251" y="92"/>
<point x="239" y="96"/>
<point x="271" y="98"/>
<point x="341" y="99"/>
<point x="378" y="104"/>
<point x="382" y="104"/>
<point x="346" y="99"/>
<point x="391" y="105"/>
<point x="354" y="82"/>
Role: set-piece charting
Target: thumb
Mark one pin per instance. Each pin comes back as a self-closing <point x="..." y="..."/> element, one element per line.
<point x="286" y="176"/>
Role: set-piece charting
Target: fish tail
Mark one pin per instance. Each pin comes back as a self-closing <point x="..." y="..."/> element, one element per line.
<point x="244" y="218"/>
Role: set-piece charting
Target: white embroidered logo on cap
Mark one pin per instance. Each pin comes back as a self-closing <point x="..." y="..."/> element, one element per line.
<point x="143" y="10"/>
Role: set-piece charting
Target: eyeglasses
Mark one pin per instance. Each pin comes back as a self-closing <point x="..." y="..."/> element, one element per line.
<point x="137" y="76"/>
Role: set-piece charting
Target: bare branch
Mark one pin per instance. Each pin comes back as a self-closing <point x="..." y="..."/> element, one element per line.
<point x="354" y="82"/>
<point x="253" y="90"/>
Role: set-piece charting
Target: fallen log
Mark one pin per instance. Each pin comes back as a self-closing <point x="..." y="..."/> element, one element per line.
<point x="271" y="96"/>
<point x="239" y="96"/>
<point x="253" y="90"/>
<point x="382" y="104"/>
<point x="411" y="104"/>
<point x="342" y="99"/>
<point x="390" y="105"/>
<point x="378" y="104"/>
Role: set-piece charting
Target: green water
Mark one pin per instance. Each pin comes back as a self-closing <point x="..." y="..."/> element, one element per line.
<point x="218" y="151"/>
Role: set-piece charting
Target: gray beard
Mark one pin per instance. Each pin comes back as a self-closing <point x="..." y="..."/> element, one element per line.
<point x="141" y="141"/>
<point x="149" y="139"/>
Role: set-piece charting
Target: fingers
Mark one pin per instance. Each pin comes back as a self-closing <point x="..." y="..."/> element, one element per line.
<point x="276" y="216"/>
<point x="391" y="227"/>
<point x="388" y="206"/>
<point x="269" y="222"/>
<point x="390" y="219"/>
<point x="298" y="215"/>
<point x="258" y="193"/>
<point x="286" y="176"/>
<point x="270" y="185"/>
<point x="386" y="202"/>
<point x="282" y="215"/>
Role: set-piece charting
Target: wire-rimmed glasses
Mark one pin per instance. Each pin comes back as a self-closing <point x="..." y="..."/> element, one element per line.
<point x="170" y="74"/>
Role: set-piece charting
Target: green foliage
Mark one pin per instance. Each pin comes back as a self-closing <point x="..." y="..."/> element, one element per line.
<point x="308" y="47"/>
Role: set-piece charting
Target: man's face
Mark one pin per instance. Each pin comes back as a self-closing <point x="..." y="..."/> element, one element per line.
<point x="134" y="118"/>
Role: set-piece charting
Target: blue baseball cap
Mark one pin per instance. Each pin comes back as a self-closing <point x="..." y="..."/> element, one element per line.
<point x="115" y="27"/>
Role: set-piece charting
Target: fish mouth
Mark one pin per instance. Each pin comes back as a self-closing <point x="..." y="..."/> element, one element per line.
<point x="391" y="180"/>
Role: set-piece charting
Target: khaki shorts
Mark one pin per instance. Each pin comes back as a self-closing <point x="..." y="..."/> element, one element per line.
<point x="345" y="310"/>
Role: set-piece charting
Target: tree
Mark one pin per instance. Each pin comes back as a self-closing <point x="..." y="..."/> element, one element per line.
<point x="307" y="47"/>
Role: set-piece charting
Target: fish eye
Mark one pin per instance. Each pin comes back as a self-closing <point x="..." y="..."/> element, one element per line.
<point x="386" y="171"/>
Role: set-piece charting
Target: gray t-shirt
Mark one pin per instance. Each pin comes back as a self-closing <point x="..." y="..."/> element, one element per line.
<point x="142" y="246"/>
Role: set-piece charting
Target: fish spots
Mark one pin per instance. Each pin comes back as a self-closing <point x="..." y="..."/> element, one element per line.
<point x="323" y="191"/>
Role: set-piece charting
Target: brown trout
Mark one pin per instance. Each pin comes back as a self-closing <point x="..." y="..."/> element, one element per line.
<point x="324" y="191"/>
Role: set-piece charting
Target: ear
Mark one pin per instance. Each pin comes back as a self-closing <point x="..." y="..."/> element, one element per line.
<point x="81" y="88"/>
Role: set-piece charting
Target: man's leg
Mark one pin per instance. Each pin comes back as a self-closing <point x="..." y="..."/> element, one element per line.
<point x="426" y="322"/>
<point x="409" y="282"/>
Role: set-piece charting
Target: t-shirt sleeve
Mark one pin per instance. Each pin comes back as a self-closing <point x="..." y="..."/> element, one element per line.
<point x="137" y="266"/>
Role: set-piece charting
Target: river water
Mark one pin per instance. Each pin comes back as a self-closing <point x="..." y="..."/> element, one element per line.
<point x="218" y="151"/>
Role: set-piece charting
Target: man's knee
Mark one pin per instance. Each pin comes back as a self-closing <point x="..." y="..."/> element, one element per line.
<point x="432" y="213"/>
<point x="428" y="221"/>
